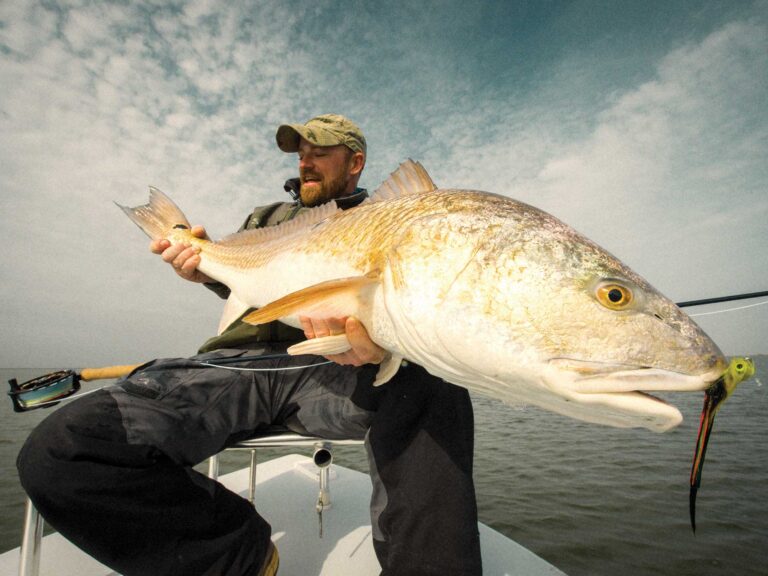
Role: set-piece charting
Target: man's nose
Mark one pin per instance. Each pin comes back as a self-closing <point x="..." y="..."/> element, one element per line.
<point x="305" y="163"/>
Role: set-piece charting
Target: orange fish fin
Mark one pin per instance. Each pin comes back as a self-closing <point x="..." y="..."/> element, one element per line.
<point x="409" y="179"/>
<point x="327" y="299"/>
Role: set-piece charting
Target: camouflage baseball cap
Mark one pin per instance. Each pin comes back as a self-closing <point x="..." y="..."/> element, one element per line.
<point x="325" y="130"/>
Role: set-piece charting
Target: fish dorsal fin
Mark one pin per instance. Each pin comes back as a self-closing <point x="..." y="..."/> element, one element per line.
<point x="409" y="179"/>
<point x="304" y="220"/>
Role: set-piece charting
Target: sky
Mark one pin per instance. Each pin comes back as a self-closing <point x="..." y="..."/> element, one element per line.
<point x="644" y="125"/>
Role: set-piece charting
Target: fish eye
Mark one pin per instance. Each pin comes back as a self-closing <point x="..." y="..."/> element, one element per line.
<point x="614" y="296"/>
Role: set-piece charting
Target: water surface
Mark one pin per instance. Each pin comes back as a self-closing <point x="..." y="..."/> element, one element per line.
<point x="594" y="501"/>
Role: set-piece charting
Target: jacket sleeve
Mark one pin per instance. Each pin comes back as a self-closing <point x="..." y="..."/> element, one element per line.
<point x="221" y="290"/>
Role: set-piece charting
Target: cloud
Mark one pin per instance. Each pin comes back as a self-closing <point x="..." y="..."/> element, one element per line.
<point x="679" y="156"/>
<point x="101" y="100"/>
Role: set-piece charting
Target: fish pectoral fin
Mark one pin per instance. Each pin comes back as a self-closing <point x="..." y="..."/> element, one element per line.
<point x="322" y="346"/>
<point x="334" y="298"/>
<point x="329" y="345"/>
<point x="387" y="369"/>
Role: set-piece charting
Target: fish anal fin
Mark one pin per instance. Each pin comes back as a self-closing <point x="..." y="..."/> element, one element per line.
<point x="333" y="298"/>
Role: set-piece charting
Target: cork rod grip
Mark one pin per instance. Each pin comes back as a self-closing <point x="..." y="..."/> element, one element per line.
<point x="106" y="372"/>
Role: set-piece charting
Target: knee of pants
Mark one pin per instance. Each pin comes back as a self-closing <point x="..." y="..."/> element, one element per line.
<point x="36" y="463"/>
<point x="52" y="456"/>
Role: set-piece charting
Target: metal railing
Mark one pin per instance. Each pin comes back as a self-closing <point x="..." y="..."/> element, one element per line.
<point x="32" y="536"/>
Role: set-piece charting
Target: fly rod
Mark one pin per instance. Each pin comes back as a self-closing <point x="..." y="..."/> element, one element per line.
<point x="50" y="389"/>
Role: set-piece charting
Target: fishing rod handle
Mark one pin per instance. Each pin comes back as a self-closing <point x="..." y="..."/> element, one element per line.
<point x="107" y="372"/>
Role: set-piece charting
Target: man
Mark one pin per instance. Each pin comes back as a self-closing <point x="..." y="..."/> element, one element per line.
<point x="112" y="471"/>
<point x="331" y="160"/>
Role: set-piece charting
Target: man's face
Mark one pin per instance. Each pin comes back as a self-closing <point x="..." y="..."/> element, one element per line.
<point x="326" y="172"/>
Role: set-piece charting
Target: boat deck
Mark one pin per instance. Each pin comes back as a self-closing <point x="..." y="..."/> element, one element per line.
<point x="286" y="494"/>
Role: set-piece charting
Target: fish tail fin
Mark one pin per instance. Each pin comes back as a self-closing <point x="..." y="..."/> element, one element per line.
<point x="157" y="217"/>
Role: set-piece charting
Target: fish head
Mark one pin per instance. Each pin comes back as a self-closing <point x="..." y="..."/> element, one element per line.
<point x="602" y="335"/>
<point x="570" y="328"/>
<point x="621" y="339"/>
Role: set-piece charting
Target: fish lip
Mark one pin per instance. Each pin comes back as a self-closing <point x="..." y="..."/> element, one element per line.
<point x="603" y="377"/>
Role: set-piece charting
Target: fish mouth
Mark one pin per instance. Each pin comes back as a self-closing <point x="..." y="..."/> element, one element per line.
<point x="594" y="377"/>
<point x="618" y="394"/>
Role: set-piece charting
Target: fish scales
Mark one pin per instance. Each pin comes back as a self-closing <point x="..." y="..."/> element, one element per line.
<point x="483" y="291"/>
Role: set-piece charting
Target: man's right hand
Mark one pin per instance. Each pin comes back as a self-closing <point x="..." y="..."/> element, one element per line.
<point x="184" y="258"/>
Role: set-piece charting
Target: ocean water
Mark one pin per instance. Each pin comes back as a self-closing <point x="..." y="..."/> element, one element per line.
<point x="592" y="500"/>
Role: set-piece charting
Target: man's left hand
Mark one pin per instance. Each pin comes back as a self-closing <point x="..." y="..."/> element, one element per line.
<point x="363" y="351"/>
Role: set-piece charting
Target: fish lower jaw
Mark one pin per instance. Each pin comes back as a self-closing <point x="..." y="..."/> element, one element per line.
<point x="621" y="402"/>
<point x="549" y="390"/>
<point x="634" y="409"/>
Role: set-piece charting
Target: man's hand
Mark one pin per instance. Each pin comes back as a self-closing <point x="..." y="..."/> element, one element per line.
<point x="363" y="351"/>
<point x="183" y="257"/>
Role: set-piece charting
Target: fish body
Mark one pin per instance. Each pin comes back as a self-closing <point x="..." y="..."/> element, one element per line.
<point x="481" y="290"/>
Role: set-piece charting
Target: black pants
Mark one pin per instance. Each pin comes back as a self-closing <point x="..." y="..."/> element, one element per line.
<point x="113" y="471"/>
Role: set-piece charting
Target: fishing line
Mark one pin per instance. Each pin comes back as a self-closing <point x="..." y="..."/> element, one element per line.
<point x="729" y="309"/>
<point x="281" y="369"/>
<point x="233" y="368"/>
<point x="61" y="386"/>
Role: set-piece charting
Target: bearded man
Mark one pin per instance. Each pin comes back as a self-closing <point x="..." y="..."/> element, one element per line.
<point x="152" y="514"/>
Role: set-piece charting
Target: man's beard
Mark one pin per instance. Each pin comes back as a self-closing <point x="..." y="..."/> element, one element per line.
<point x="323" y="190"/>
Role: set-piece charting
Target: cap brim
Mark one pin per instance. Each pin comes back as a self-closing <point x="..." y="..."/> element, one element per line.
<point x="288" y="137"/>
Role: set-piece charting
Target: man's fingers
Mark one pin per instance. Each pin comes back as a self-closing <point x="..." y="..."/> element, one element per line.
<point x="320" y="327"/>
<point x="158" y="246"/>
<point x="306" y="325"/>
<point x="172" y="252"/>
<point x="198" y="232"/>
<point x="346" y="359"/>
<point x="183" y="257"/>
<point x="365" y="350"/>
<point x="190" y="265"/>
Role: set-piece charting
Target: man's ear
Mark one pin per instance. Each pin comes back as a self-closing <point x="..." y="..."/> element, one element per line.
<point x="356" y="163"/>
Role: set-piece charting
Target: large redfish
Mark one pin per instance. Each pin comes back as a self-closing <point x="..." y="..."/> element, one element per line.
<point x="479" y="289"/>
